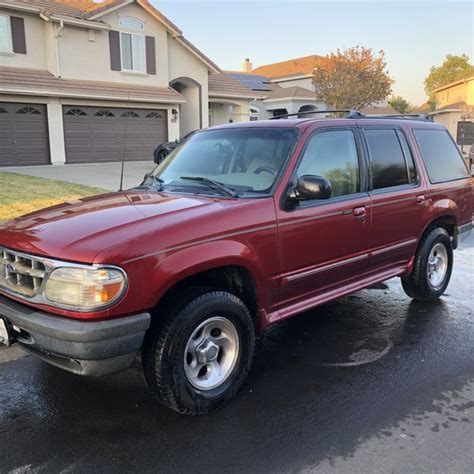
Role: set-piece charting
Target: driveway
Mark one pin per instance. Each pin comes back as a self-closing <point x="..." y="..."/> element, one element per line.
<point x="371" y="383"/>
<point x="100" y="175"/>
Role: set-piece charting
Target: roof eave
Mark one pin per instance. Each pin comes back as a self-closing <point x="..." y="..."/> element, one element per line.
<point x="224" y="95"/>
<point x="83" y="95"/>
<point x="455" y="83"/>
<point x="67" y="20"/>
<point x="289" y="98"/>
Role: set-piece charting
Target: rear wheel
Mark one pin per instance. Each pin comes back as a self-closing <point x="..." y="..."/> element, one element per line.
<point x="432" y="268"/>
<point x="199" y="356"/>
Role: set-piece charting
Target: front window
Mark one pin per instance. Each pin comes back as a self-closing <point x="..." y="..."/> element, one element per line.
<point x="245" y="160"/>
<point x="5" y="34"/>
<point x="132" y="45"/>
<point x="333" y="155"/>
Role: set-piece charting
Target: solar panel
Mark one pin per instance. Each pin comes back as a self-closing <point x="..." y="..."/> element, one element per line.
<point x="253" y="81"/>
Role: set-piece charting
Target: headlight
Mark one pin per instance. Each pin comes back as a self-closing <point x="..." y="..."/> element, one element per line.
<point x="84" y="288"/>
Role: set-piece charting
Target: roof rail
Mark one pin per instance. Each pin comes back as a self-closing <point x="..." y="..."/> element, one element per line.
<point x="423" y="117"/>
<point x="352" y="113"/>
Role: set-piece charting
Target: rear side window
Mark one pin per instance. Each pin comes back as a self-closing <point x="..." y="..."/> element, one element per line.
<point x="390" y="158"/>
<point x="441" y="156"/>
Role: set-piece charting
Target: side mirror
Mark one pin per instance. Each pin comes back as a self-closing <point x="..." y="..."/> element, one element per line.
<point x="311" y="187"/>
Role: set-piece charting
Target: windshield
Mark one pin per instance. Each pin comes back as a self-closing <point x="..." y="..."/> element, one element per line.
<point x="243" y="160"/>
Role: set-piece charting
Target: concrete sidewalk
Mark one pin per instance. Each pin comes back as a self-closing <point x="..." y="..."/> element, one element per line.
<point x="99" y="175"/>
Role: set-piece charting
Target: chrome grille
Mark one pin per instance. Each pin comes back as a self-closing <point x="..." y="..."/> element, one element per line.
<point x="20" y="273"/>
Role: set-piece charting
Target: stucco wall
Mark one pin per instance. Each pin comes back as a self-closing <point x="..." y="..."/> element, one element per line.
<point x="460" y="93"/>
<point x="183" y="63"/>
<point x="450" y="121"/>
<point x="304" y="83"/>
<point x="85" y="55"/>
<point x="35" y="57"/>
<point x="235" y="110"/>
<point x="221" y="113"/>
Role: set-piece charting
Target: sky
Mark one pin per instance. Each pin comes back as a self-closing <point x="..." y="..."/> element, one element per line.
<point x="415" y="35"/>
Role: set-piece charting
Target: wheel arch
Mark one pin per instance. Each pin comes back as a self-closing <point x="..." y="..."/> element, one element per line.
<point x="229" y="266"/>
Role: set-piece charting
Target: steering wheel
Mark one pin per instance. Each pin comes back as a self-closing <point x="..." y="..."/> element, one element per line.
<point x="268" y="169"/>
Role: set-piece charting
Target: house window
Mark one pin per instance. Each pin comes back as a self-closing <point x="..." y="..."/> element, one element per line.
<point x="5" y="35"/>
<point x="132" y="45"/>
<point x="132" y="24"/>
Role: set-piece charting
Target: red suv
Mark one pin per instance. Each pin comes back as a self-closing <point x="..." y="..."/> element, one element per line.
<point x="240" y="227"/>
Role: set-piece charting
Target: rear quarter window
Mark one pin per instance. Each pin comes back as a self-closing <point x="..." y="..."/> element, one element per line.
<point x="442" y="158"/>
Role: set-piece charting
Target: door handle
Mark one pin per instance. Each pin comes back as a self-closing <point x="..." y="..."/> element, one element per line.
<point x="420" y="199"/>
<point x="359" y="211"/>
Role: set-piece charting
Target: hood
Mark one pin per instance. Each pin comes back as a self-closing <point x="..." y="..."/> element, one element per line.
<point x="79" y="230"/>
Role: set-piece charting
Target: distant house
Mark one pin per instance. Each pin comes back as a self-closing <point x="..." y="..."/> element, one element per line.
<point x="296" y="72"/>
<point x="282" y="88"/>
<point x="94" y="80"/>
<point x="455" y="109"/>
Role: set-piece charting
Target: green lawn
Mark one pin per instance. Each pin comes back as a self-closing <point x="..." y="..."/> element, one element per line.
<point x="20" y="194"/>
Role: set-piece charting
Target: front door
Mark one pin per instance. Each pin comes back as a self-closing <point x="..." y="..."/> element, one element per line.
<point x="324" y="243"/>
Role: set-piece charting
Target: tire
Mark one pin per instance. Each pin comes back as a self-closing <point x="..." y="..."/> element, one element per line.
<point x="423" y="284"/>
<point x="170" y="365"/>
<point x="161" y="156"/>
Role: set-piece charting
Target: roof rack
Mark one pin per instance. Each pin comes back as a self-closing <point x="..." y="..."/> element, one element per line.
<point x="423" y="117"/>
<point x="352" y="113"/>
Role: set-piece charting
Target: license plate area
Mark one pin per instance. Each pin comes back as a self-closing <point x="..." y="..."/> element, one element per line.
<point x="5" y="338"/>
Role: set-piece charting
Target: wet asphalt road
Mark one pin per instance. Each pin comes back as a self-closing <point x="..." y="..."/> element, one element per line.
<point x="370" y="383"/>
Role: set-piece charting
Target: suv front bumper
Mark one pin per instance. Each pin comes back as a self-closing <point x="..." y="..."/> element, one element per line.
<point x="91" y="348"/>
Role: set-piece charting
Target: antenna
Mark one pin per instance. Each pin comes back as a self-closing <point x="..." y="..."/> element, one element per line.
<point x="127" y="110"/>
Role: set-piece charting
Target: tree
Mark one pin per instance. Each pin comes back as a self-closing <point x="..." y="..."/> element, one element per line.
<point x="353" y="78"/>
<point x="453" y="69"/>
<point x="401" y="105"/>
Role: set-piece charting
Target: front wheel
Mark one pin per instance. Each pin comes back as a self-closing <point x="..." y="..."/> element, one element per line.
<point x="198" y="358"/>
<point x="432" y="268"/>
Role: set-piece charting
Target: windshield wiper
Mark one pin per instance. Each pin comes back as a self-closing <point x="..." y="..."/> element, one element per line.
<point x="212" y="184"/>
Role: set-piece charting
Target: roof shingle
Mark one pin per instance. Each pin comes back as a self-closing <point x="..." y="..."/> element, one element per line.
<point x="43" y="83"/>
<point x="292" y="67"/>
<point x="225" y="85"/>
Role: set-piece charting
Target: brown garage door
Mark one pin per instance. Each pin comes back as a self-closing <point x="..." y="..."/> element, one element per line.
<point x="23" y="134"/>
<point x="100" y="134"/>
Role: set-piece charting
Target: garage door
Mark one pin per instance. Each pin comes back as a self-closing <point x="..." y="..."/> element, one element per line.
<point x="23" y="134"/>
<point x="100" y="134"/>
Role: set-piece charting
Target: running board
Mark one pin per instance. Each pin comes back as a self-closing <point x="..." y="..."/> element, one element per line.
<point x="331" y="295"/>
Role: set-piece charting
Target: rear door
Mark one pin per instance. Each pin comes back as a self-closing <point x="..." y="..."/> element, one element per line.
<point x="324" y="243"/>
<point x="397" y="196"/>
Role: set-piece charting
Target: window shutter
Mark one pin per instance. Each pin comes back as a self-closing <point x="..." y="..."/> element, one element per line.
<point x="150" y="55"/>
<point x="18" y="34"/>
<point x="114" y="44"/>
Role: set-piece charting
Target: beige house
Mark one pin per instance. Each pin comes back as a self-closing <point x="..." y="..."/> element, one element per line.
<point x="455" y="109"/>
<point x="98" y="80"/>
